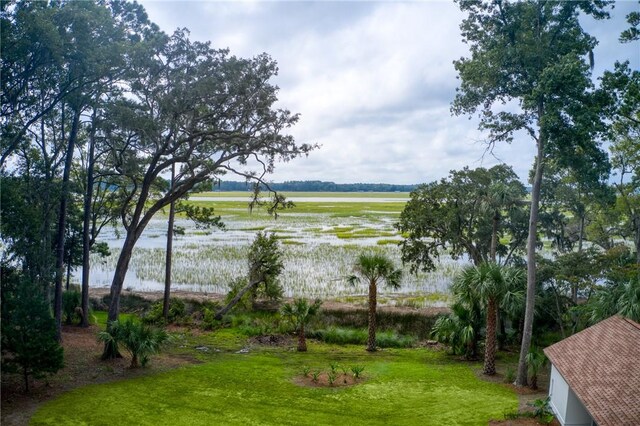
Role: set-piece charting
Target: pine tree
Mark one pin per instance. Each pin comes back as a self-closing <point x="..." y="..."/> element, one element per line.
<point x="29" y="344"/>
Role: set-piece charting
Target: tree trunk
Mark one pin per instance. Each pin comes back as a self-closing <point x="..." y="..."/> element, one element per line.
<point x="527" y="331"/>
<point x="86" y="223"/>
<point x="134" y="361"/>
<point x="371" y="342"/>
<point x="534" y="381"/>
<point x="169" y="255"/>
<point x="62" y="223"/>
<point x="68" y="279"/>
<point x="110" y="350"/>
<point x="494" y="236"/>
<point x="559" y="310"/>
<point x="25" y="374"/>
<point x="237" y="298"/>
<point x="302" y="341"/>
<point x="574" y="286"/>
<point x="490" y="342"/>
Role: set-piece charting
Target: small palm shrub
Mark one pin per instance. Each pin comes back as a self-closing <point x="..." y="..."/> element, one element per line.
<point x="510" y="375"/>
<point x="536" y="360"/>
<point x="357" y="370"/>
<point x="542" y="411"/>
<point x="331" y="377"/>
<point x="71" y="306"/>
<point x="140" y="340"/>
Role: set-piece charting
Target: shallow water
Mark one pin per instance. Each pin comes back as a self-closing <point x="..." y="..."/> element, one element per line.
<point x="317" y="261"/>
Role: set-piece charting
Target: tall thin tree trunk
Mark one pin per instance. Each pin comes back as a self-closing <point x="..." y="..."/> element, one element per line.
<point x="527" y="332"/>
<point x="559" y="310"/>
<point x="169" y="254"/>
<point x="62" y="223"/>
<point x="68" y="279"/>
<point x="25" y="374"/>
<point x="494" y="236"/>
<point x="490" y="342"/>
<point x="110" y="350"/>
<point x="86" y="224"/>
<point x="574" y="286"/>
<point x="373" y="300"/>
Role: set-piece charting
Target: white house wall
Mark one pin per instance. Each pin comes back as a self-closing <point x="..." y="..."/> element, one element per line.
<point x="559" y="394"/>
<point x="577" y="414"/>
<point x="568" y="409"/>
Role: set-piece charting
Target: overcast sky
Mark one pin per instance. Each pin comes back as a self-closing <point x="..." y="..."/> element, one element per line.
<point x="373" y="81"/>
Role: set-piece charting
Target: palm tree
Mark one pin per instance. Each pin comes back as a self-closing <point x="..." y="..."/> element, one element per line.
<point x="374" y="269"/>
<point x="140" y="340"/>
<point x="300" y="313"/>
<point x="490" y="284"/>
<point x="535" y="360"/>
<point x="621" y="298"/>
<point x="458" y="330"/>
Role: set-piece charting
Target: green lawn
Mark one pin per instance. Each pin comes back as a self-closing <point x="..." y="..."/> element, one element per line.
<point x="401" y="386"/>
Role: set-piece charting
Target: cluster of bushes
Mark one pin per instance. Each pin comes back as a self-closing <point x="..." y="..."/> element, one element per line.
<point x="405" y="323"/>
<point x="358" y="336"/>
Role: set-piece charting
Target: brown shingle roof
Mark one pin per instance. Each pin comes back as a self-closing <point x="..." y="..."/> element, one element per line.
<point x="602" y="366"/>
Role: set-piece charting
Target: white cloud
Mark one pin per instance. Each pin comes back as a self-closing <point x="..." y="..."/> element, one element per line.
<point x="373" y="81"/>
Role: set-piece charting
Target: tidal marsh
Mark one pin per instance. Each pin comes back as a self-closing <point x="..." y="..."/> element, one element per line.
<point x="320" y="242"/>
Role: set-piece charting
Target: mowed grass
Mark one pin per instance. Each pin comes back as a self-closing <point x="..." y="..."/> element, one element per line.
<point x="400" y="387"/>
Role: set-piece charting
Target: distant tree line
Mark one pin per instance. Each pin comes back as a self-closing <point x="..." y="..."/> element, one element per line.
<point x="311" y="186"/>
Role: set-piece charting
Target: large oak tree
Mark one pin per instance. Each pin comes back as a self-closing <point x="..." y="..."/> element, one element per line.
<point x="197" y="108"/>
<point x="528" y="73"/>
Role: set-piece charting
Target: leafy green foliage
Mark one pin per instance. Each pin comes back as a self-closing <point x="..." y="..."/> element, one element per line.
<point x="542" y="411"/>
<point x="456" y="215"/>
<point x="29" y="345"/>
<point x="140" y="340"/>
<point x="300" y="312"/>
<point x="177" y="312"/>
<point x="459" y="330"/>
<point x="621" y="298"/>
<point x="266" y="265"/>
<point x="71" y="306"/>
<point x="353" y="336"/>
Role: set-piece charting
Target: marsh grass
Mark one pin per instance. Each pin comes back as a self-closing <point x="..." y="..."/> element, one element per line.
<point x="321" y="240"/>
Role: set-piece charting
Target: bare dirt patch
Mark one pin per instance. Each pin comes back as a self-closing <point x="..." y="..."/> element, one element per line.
<point x="82" y="367"/>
